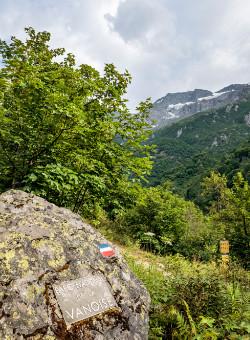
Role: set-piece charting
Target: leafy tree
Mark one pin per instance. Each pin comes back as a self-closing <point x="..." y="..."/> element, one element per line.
<point x="216" y="192"/>
<point x="165" y="223"/>
<point x="237" y="161"/>
<point x="231" y="207"/>
<point x="66" y="132"/>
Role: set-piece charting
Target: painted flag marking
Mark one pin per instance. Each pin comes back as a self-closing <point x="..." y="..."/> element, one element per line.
<point x="106" y="250"/>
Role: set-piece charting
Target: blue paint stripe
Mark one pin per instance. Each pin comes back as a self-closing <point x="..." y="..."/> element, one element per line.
<point x="103" y="245"/>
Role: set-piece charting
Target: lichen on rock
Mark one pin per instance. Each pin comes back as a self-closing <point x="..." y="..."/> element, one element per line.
<point x="42" y="244"/>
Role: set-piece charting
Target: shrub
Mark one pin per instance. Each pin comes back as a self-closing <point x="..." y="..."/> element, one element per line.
<point x="194" y="300"/>
<point x="166" y="224"/>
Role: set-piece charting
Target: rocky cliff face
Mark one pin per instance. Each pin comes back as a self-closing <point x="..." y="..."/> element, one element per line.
<point x="43" y="245"/>
<point x="175" y="106"/>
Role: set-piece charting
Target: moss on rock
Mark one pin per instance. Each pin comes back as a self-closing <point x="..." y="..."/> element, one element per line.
<point x="41" y="244"/>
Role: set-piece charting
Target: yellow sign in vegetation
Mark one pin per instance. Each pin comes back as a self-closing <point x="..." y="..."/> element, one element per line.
<point x="224" y="247"/>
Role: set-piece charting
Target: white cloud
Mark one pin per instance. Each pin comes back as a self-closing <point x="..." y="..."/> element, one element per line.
<point x="166" y="45"/>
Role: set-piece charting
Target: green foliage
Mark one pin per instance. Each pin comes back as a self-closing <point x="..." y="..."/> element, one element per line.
<point x="66" y="132"/>
<point x="164" y="223"/>
<point x="67" y="135"/>
<point x="215" y="191"/>
<point x="230" y="207"/>
<point x="217" y="139"/>
<point x="160" y="213"/>
<point x="193" y="300"/>
<point x="236" y="161"/>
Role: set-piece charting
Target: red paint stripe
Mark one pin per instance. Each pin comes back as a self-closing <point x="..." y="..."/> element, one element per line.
<point x="108" y="253"/>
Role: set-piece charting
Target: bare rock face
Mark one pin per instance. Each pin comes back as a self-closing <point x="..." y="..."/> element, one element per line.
<point x="42" y="245"/>
<point x="176" y="106"/>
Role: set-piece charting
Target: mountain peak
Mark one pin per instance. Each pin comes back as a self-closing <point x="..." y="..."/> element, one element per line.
<point x="234" y="87"/>
<point x="178" y="105"/>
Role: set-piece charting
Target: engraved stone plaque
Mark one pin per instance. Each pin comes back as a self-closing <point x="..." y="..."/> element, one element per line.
<point x="83" y="298"/>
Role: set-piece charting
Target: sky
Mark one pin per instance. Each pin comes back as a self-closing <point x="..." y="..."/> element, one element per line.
<point x="166" y="45"/>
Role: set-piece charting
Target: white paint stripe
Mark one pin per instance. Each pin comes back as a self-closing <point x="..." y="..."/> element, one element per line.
<point x="106" y="249"/>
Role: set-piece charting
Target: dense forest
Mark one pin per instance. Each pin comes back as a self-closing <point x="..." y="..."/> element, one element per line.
<point x="67" y="135"/>
<point x="189" y="149"/>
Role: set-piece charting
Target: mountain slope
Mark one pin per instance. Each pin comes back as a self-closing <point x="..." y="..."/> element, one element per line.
<point x="190" y="148"/>
<point x="176" y="106"/>
<point x="238" y="160"/>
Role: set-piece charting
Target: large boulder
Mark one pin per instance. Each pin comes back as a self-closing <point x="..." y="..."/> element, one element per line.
<point x="42" y="245"/>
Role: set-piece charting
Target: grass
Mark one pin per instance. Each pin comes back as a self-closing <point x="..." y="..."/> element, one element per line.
<point x="179" y="287"/>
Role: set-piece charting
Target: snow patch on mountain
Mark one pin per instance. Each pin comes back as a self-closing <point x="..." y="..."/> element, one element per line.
<point x="179" y="105"/>
<point x="214" y="95"/>
<point x="176" y="106"/>
<point x="172" y="114"/>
